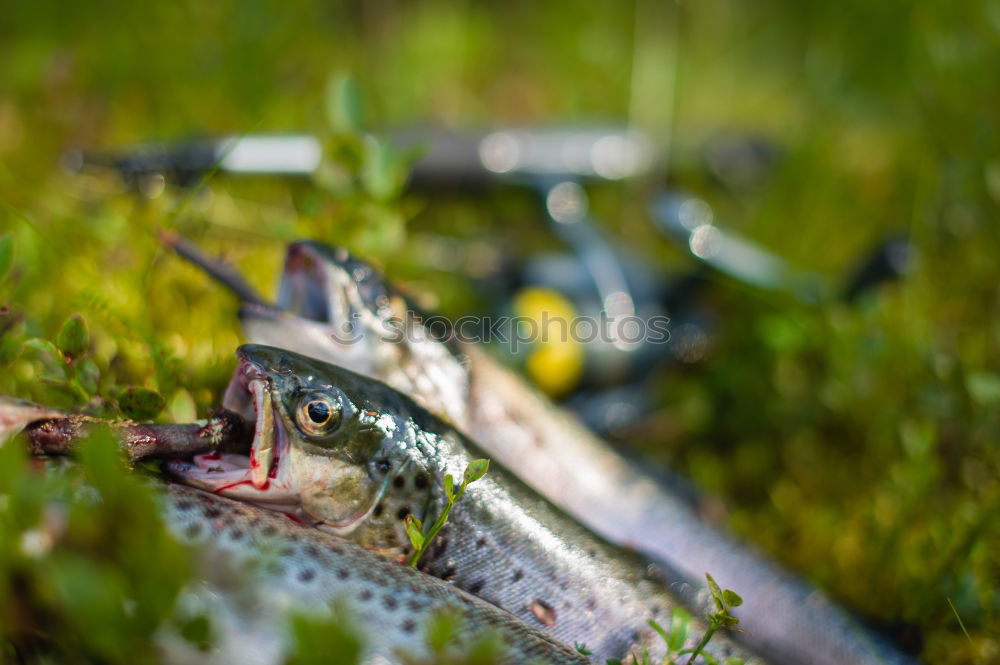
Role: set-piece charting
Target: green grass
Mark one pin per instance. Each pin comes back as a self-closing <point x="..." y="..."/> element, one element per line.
<point x="857" y="445"/>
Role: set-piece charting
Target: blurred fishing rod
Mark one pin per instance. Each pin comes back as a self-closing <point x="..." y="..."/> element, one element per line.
<point x="604" y="381"/>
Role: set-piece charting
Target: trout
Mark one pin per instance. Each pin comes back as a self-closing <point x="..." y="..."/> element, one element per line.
<point x="337" y="308"/>
<point x="354" y="458"/>
<point x="257" y="567"/>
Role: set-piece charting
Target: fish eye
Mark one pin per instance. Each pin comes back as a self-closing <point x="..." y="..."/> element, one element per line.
<point x="317" y="414"/>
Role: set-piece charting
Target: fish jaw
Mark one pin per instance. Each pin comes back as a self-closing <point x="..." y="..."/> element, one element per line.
<point x="262" y="476"/>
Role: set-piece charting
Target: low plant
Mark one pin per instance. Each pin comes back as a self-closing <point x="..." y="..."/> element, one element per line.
<point x="415" y="528"/>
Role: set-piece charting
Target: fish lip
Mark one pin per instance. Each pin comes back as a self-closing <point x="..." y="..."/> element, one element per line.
<point x="338" y="299"/>
<point x="305" y="290"/>
<point x="260" y="475"/>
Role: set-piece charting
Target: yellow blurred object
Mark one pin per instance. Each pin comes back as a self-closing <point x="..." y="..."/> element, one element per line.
<point x="555" y="363"/>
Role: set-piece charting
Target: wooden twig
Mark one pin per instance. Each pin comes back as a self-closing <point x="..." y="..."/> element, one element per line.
<point x="226" y="432"/>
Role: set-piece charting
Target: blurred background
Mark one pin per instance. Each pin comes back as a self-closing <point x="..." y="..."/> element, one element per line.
<point x="850" y="431"/>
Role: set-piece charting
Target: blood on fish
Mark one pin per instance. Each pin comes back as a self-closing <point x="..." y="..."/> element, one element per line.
<point x="253" y="460"/>
<point x="262" y="488"/>
<point x="213" y="456"/>
<point x="273" y="473"/>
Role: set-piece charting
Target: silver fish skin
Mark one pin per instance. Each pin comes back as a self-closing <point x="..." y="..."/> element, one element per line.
<point x="257" y="567"/>
<point x="337" y="308"/>
<point x="260" y="566"/>
<point x="354" y="457"/>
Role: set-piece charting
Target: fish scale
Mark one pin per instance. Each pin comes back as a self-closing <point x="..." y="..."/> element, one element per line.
<point x="301" y="568"/>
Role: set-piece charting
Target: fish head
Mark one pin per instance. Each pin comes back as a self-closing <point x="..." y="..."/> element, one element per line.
<point x="330" y="447"/>
<point x="338" y="308"/>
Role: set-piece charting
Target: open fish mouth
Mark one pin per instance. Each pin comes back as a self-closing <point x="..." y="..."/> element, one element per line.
<point x="327" y="308"/>
<point x="263" y="475"/>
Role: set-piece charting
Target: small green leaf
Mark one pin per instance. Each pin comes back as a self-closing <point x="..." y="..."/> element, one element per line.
<point x="74" y="339"/>
<point x="344" y="110"/>
<point x="449" y="487"/>
<point x="43" y="345"/>
<point x="732" y="598"/>
<point x="476" y="470"/>
<point x="680" y="624"/>
<point x="381" y="173"/>
<point x="6" y="255"/>
<point x="140" y="404"/>
<point x="582" y="649"/>
<point x="442" y="629"/>
<point x="659" y="631"/>
<point x="415" y="531"/>
<point x="717" y="596"/>
<point x="88" y="375"/>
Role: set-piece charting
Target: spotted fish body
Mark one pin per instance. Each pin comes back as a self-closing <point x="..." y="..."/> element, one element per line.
<point x="353" y="457"/>
<point x="326" y="291"/>
<point x="291" y="567"/>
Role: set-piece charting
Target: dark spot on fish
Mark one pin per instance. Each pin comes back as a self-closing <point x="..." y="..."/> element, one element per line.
<point x="414" y="605"/>
<point x="398" y="482"/>
<point x="440" y="547"/>
<point x="402" y="513"/>
<point x="343" y="573"/>
<point x="544" y="612"/>
<point x="311" y="550"/>
<point x="390" y="603"/>
<point x="193" y="531"/>
<point x="307" y="575"/>
<point x="591" y="604"/>
<point x="383" y="465"/>
<point x="409" y="626"/>
<point x="211" y="512"/>
<point x="268" y="530"/>
<point x="656" y="610"/>
<point x="184" y="505"/>
<point x="236" y="534"/>
<point x="406" y="551"/>
<point x="449" y="573"/>
<point x="420" y="481"/>
<point x="635" y="636"/>
<point x="378" y="510"/>
<point x="336" y="549"/>
<point x="562" y="585"/>
<point x="518" y="575"/>
<point x="287" y="550"/>
<point x="481" y="542"/>
<point x="477" y="586"/>
<point x="365" y="595"/>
